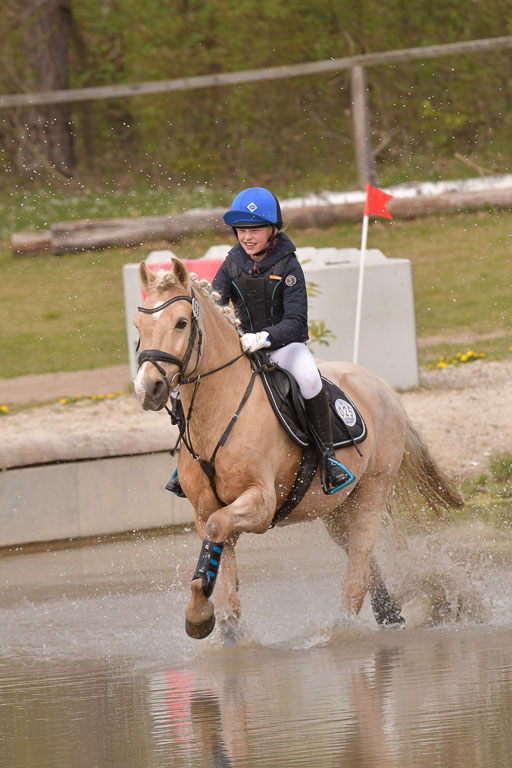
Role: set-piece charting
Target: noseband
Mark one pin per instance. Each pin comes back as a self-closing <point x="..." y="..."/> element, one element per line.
<point x="156" y="356"/>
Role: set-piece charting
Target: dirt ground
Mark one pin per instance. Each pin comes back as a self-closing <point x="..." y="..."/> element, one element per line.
<point x="464" y="413"/>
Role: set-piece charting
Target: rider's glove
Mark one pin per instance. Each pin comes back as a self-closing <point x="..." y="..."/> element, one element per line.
<point x="252" y="341"/>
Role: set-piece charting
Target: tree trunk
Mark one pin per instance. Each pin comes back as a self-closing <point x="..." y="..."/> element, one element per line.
<point x="46" y="137"/>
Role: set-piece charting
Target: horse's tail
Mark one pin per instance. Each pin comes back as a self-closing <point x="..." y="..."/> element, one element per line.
<point x="419" y="472"/>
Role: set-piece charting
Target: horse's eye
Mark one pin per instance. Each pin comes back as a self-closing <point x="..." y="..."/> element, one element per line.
<point x="181" y="324"/>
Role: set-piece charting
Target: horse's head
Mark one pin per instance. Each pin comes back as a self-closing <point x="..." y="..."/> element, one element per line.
<point x="168" y="328"/>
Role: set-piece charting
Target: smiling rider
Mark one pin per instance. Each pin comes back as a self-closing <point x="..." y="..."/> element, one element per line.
<point x="263" y="279"/>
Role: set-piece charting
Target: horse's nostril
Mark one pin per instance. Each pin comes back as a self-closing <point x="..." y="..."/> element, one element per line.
<point x="159" y="390"/>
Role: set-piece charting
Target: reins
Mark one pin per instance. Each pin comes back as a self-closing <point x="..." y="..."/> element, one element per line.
<point x="208" y="466"/>
<point x="156" y="356"/>
<point x="191" y="379"/>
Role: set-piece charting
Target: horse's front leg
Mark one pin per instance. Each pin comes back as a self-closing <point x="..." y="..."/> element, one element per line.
<point x="251" y="512"/>
<point x="227" y="600"/>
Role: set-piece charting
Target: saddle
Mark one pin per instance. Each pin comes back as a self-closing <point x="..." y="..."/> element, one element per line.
<point x="348" y="426"/>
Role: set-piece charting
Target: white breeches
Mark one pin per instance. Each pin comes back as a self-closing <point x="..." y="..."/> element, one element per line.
<point x="298" y="360"/>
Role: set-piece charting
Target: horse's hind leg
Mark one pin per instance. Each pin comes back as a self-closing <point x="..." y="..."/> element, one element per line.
<point x="385" y="608"/>
<point x="354" y="526"/>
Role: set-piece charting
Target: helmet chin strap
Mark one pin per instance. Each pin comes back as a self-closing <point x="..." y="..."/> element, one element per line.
<point x="271" y="240"/>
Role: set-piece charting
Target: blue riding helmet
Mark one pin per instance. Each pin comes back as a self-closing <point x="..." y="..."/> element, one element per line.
<point x="254" y="207"/>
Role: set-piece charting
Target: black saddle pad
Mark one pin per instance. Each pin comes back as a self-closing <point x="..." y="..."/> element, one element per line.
<point x="348" y="426"/>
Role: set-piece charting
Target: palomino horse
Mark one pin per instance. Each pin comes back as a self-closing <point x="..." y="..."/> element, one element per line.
<point x="238" y="463"/>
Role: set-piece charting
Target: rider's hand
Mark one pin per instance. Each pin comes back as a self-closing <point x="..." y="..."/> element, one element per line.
<point x="252" y="341"/>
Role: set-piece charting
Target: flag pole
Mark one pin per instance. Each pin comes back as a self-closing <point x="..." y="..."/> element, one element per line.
<point x="359" y="304"/>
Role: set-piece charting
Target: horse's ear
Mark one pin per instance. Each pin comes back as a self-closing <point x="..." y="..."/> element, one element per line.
<point x="146" y="276"/>
<point x="180" y="271"/>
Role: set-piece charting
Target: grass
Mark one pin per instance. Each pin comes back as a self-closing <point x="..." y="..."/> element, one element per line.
<point x="489" y="497"/>
<point x="66" y="312"/>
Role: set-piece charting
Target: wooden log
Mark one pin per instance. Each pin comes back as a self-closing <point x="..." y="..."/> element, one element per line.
<point x="28" y="243"/>
<point x="423" y="205"/>
<point x="104" y="233"/>
<point x="400" y="207"/>
<point x="94" y="234"/>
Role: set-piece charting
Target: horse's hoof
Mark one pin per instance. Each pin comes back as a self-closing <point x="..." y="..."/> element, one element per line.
<point x="418" y="612"/>
<point x="229" y="632"/>
<point x="198" y="631"/>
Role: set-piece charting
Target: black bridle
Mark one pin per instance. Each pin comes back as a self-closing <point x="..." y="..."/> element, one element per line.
<point x="156" y="356"/>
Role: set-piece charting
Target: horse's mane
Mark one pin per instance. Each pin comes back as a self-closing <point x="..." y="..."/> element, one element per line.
<point x="166" y="280"/>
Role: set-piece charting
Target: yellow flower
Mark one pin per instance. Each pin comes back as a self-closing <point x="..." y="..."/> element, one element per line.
<point x="63" y="400"/>
<point x="93" y="397"/>
<point x="442" y="364"/>
<point x="110" y="394"/>
<point x="4" y="409"/>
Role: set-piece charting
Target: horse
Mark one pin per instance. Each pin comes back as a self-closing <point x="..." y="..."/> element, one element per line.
<point x="238" y="464"/>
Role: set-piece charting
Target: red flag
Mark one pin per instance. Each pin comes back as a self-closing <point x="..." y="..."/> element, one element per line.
<point x="376" y="202"/>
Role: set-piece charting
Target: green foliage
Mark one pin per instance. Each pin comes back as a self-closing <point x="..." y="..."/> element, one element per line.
<point x="286" y="132"/>
<point x="501" y="468"/>
<point x="319" y="334"/>
<point x="489" y="497"/>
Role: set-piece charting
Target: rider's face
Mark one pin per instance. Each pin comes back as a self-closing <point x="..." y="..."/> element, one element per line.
<point x="253" y="240"/>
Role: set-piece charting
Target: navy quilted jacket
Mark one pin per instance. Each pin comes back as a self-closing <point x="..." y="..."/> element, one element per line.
<point x="294" y="323"/>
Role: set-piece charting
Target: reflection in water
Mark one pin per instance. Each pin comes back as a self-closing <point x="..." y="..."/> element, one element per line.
<point x="96" y="670"/>
<point x="433" y="699"/>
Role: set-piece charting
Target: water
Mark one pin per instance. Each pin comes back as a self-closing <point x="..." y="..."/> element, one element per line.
<point x="96" y="669"/>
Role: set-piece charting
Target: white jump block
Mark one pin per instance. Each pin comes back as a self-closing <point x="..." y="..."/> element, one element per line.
<point x="387" y="343"/>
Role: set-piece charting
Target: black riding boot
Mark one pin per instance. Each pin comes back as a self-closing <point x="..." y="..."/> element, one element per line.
<point x="335" y="474"/>
<point x="174" y="485"/>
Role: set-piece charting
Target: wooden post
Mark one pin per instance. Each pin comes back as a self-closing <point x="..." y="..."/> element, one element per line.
<point x="361" y="127"/>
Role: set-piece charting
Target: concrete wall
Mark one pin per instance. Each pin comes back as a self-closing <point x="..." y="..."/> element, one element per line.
<point x="88" y="498"/>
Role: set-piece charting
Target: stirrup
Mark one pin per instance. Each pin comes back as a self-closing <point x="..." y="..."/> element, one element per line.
<point x="327" y="488"/>
<point x="174" y="486"/>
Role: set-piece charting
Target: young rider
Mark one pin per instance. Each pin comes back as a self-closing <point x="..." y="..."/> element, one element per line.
<point x="263" y="279"/>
